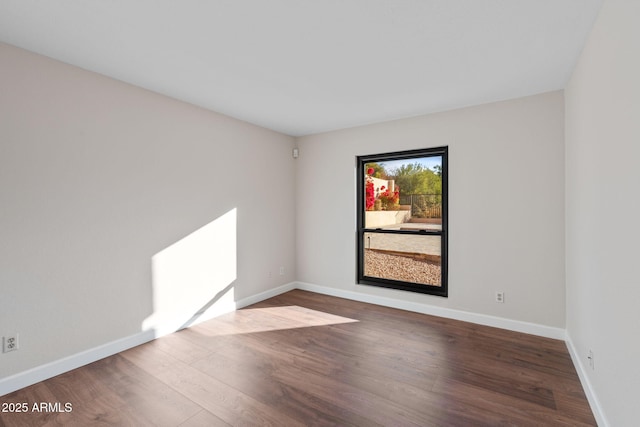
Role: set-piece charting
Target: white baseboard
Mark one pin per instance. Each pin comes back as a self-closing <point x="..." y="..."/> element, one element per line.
<point x="69" y="363"/>
<point x="266" y="294"/>
<point x="594" y="402"/>
<point x="57" y="367"/>
<point x="481" y="319"/>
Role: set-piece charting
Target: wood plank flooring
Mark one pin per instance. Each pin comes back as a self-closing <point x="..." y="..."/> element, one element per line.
<point x="303" y="359"/>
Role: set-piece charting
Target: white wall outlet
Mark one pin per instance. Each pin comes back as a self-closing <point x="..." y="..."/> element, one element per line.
<point x="499" y="296"/>
<point x="10" y="343"/>
<point x="591" y="361"/>
<point x="282" y="271"/>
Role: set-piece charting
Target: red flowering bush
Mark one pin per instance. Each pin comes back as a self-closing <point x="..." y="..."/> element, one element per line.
<point x="389" y="199"/>
<point x="369" y="196"/>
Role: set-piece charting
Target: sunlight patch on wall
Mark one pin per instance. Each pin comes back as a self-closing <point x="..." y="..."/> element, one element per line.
<point x="251" y="320"/>
<point x="193" y="278"/>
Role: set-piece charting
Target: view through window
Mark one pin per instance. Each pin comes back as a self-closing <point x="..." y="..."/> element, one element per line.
<point x="402" y="220"/>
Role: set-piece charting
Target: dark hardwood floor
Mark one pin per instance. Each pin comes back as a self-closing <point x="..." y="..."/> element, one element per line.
<point x="308" y="359"/>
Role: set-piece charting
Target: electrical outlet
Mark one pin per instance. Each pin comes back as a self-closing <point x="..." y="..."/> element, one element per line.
<point x="591" y="361"/>
<point x="499" y="296"/>
<point x="282" y="271"/>
<point x="10" y="343"/>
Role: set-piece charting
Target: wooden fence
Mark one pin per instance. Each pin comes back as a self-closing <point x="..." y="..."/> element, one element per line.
<point x="423" y="205"/>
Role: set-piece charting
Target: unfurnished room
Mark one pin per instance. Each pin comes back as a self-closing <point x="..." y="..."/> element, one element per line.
<point x="295" y="213"/>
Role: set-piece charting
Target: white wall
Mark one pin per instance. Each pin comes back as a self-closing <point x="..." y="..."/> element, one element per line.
<point x="506" y="184"/>
<point x="603" y="211"/>
<point x="97" y="178"/>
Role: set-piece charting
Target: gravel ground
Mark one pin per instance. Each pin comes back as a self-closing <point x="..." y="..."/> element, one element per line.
<point x="377" y="264"/>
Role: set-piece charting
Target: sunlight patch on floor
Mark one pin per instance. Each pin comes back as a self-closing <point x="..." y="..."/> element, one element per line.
<point x="252" y="320"/>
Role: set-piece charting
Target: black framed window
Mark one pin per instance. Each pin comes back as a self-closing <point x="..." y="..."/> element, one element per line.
<point x="402" y="220"/>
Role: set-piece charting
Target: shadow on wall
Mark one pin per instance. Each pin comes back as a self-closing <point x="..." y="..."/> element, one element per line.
<point x="200" y="267"/>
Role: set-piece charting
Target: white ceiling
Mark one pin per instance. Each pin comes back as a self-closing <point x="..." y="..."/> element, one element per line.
<point x="305" y="66"/>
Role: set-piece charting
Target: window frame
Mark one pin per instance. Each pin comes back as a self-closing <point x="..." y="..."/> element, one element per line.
<point x="443" y="289"/>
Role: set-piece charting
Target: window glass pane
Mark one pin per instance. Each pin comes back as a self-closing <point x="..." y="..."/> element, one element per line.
<point x="402" y="192"/>
<point x="405" y="257"/>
